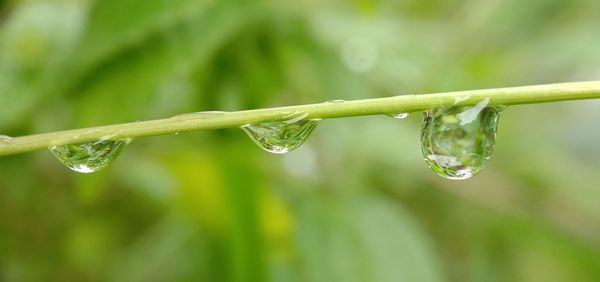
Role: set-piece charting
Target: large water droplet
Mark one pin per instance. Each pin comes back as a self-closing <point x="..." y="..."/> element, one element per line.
<point x="280" y="137"/>
<point x="398" y="115"/>
<point x="89" y="157"/>
<point x="458" y="141"/>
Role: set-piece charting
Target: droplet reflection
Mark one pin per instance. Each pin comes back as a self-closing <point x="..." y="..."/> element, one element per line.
<point x="458" y="141"/>
<point x="280" y="137"/>
<point x="89" y="157"/>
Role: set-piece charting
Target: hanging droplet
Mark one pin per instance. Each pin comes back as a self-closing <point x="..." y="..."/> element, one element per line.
<point x="398" y="115"/>
<point x="458" y="141"/>
<point x="280" y="137"/>
<point x="89" y="157"/>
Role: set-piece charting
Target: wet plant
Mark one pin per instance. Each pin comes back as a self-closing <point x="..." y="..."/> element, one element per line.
<point x="458" y="134"/>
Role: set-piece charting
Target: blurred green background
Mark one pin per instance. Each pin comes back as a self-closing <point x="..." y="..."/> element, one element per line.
<point x="356" y="202"/>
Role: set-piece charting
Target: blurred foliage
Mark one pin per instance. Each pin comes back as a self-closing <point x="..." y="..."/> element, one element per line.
<point x="356" y="202"/>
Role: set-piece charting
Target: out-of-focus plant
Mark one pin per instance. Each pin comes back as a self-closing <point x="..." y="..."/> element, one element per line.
<point x="350" y="204"/>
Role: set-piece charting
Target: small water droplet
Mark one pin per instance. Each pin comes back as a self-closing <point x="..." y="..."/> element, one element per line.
<point x="89" y="157"/>
<point x="280" y="137"/>
<point x="336" y="101"/>
<point x="458" y="141"/>
<point x="200" y="114"/>
<point x="398" y="115"/>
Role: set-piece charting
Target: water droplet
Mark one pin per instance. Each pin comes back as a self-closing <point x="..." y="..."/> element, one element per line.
<point x="89" y="157"/>
<point x="280" y="137"/>
<point x="398" y="115"/>
<point x="200" y="114"/>
<point x="336" y="101"/>
<point x="458" y="141"/>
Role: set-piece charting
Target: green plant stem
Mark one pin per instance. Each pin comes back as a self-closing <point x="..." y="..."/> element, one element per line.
<point x="397" y="104"/>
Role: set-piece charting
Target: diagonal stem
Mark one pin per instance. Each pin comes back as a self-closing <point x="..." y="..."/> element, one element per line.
<point x="396" y="104"/>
